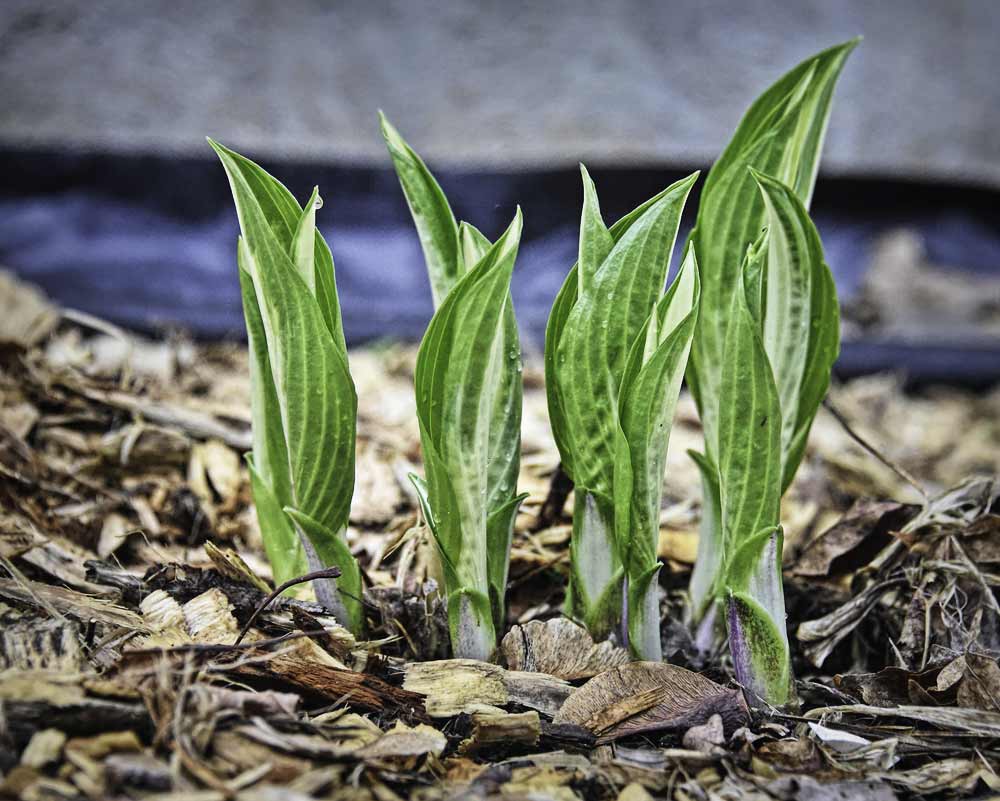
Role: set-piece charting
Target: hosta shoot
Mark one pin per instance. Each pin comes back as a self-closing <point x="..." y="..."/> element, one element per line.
<point x="750" y="492"/>
<point x="764" y="178"/>
<point x="606" y="320"/>
<point x="469" y="389"/>
<point x="646" y="401"/>
<point x="303" y="403"/>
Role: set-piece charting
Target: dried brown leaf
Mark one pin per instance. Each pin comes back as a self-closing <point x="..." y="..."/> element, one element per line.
<point x="980" y="687"/>
<point x="851" y="543"/>
<point x="650" y="696"/>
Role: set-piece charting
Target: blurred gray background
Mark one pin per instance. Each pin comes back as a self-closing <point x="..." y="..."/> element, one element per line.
<point x="500" y="84"/>
<point x="111" y="200"/>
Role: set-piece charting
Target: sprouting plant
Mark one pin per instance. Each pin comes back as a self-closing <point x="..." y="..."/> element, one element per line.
<point x="614" y="341"/>
<point x="646" y="401"/>
<point x="469" y="388"/>
<point x="303" y="403"/>
<point x="780" y="136"/>
<point x="776" y="369"/>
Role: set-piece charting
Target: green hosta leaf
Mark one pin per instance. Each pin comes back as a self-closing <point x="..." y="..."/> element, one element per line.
<point x="780" y="135"/>
<point x="756" y="617"/>
<point x="451" y="252"/>
<point x="499" y="535"/>
<point x="281" y="541"/>
<point x="749" y="424"/>
<point x="596" y="240"/>
<point x="325" y="547"/>
<point x="649" y="389"/>
<point x="281" y="215"/>
<point x="303" y="249"/>
<point x="563" y="305"/>
<point x="801" y="320"/>
<point x="759" y="648"/>
<point x="473" y="246"/>
<point x="459" y="371"/>
<point x="431" y="213"/>
<point x="269" y="449"/>
<point x="750" y="484"/>
<point x="599" y="331"/>
<point x="711" y="545"/>
<point x="594" y="593"/>
<point x="314" y="389"/>
<point x="606" y="300"/>
<point x="303" y="401"/>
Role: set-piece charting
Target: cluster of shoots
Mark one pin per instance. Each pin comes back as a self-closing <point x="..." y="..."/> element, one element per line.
<point x="750" y="318"/>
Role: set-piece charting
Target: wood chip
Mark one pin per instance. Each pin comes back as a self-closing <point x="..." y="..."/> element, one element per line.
<point x="44" y="748"/>
<point x="502" y="731"/>
<point x="454" y="686"/>
<point x="402" y="741"/>
<point x="560" y="648"/>
<point x="209" y="618"/>
<point x="26" y="316"/>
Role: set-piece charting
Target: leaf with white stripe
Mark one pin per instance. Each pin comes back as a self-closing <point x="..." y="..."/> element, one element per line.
<point x="556" y="326"/>
<point x="801" y="318"/>
<point x="459" y="371"/>
<point x="780" y="135"/>
<point x="650" y="387"/>
<point x="432" y="215"/>
<point x="749" y="423"/>
<point x="600" y="330"/>
<point x="281" y="214"/>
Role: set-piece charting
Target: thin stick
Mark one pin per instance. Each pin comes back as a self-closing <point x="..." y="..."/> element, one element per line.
<point x="325" y="573"/>
<point x="899" y="471"/>
<point x="560" y="486"/>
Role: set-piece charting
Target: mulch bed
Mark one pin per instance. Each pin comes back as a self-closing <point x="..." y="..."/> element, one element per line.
<point x="130" y="561"/>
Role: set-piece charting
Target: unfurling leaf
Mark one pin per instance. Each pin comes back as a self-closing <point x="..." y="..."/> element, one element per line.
<point x="781" y="135"/>
<point x="763" y="180"/>
<point x="460" y="365"/>
<point x="611" y="299"/>
<point x="750" y="492"/>
<point x="452" y="251"/>
<point x="303" y="403"/>
<point x="649" y="389"/>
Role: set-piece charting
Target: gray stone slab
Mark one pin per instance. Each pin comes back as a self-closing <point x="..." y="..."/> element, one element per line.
<point x="499" y="84"/>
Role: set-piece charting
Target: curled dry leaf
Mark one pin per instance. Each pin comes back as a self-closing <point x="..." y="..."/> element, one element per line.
<point x="707" y="737"/>
<point x="852" y="542"/>
<point x="651" y="696"/>
<point x="560" y="648"/>
<point x="980" y="684"/>
<point x="893" y="685"/>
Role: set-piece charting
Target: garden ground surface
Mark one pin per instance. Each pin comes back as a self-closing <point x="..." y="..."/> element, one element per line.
<point x="130" y="560"/>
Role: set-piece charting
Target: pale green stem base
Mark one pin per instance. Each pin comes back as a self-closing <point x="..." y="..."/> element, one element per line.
<point x="326" y="589"/>
<point x="644" y="623"/>
<point x="596" y="575"/>
<point x="472" y="633"/>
